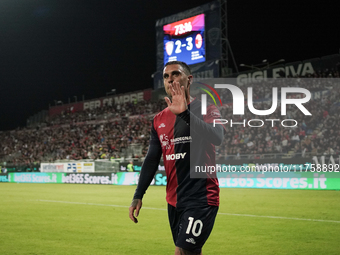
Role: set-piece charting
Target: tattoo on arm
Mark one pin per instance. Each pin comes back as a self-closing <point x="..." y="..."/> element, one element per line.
<point x="134" y="202"/>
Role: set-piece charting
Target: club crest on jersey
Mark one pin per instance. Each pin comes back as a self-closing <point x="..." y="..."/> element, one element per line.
<point x="161" y="125"/>
<point x="165" y="142"/>
<point x="169" y="47"/>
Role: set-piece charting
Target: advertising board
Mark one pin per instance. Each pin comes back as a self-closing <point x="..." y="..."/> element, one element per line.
<point x="35" y="177"/>
<point x="3" y="178"/>
<point x="68" y="167"/>
<point x="295" y="180"/>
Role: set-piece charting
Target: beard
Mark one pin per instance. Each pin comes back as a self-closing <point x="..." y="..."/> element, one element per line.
<point x="168" y="92"/>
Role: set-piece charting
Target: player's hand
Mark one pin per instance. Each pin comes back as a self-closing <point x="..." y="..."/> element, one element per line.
<point x="135" y="205"/>
<point x="178" y="103"/>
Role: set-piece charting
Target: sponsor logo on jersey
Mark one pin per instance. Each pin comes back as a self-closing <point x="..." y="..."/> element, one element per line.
<point x="175" y="156"/>
<point x="181" y="139"/>
<point x="161" y="125"/>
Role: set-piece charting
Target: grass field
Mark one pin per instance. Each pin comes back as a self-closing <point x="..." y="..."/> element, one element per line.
<point x="93" y="219"/>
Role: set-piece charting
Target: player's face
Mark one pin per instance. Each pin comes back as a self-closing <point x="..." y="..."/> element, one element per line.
<point x="173" y="73"/>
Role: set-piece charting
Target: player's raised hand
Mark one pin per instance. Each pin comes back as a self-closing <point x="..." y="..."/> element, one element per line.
<point x="178" y="103"/>
<point x="135" y="205"/>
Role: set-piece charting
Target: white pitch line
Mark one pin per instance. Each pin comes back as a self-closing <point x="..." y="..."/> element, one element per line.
<point x="160" y="209"/>
<point x="79" y="203"/>
<point x="278" y="217"/>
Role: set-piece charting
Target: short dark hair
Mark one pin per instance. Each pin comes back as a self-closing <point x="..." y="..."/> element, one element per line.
<point x="182" y="64"/>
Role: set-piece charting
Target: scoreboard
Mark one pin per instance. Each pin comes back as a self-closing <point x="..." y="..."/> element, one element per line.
<point x="184" y="40"/>
<point x="194" y="37"/>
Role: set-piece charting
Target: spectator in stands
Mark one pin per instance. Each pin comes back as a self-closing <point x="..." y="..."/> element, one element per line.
<point x="130" y="167"/>
<point x="108" y="131"/>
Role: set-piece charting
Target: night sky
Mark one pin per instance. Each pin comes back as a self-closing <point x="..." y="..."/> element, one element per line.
<point x="55" y="50"/>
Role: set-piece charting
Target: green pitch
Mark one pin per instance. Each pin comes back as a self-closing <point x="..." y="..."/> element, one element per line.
<point x="93" y="219"/>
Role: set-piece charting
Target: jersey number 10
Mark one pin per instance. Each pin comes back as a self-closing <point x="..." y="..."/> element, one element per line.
<point x="194" y="226"/>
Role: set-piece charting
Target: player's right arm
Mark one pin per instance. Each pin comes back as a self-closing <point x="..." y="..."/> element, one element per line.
<point x="149" y="168"/>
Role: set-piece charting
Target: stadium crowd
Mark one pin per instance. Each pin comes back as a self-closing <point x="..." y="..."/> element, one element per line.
<point x="106" y="112"/>
<point x="107" y="132"/>
<point x="317" y="134"/>
<point x="100" y="133"/>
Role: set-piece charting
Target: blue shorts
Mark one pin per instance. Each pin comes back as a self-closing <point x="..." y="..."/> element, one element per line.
<point x="191" y="227"/>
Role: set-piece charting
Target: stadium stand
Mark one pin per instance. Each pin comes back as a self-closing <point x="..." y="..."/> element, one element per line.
<point x="122" y="131"/>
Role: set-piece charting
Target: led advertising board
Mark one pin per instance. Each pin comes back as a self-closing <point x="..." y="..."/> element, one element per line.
<point x="184" y="40"/>
<point x="293" y="180"/>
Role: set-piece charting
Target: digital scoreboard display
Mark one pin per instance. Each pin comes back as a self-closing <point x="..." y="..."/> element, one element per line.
<point x="184" y="40"/>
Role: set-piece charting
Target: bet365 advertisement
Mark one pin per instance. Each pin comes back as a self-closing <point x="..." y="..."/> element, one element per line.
<point x="308" y="180"/>
<point x="320" y="181"/>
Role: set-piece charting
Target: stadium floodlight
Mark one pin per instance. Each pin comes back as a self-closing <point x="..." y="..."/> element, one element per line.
<point x="112" y="92"/>
<point x="251" y="66"/>
<point x="274" y="63"/>
<point x="264" y="62"/>
<point x="279" y="61"/>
